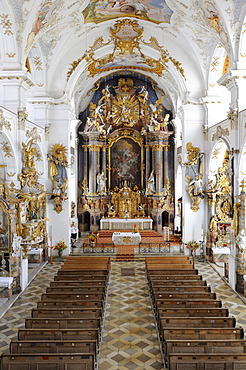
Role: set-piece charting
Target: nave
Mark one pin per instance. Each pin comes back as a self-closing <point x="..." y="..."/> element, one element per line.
<point x="129" y="337"/>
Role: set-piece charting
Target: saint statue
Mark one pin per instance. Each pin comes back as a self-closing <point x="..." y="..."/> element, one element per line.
<point x="101" y="183"/>
<point x="241" y="241"/>
<point x="197" y="186"/>
<point x="58" y="171"/>
<point x="151" y="183"/>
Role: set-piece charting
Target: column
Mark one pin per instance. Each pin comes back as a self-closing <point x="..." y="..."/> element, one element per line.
<point x="93" y="168"/>
<point x="165" y="163"/>
<point x="104" y="164"/>
<point x="85" y="171"/>
<point x="158" y="168"/>
<point x="147" y="164"/>
<point x="241" y="257"/>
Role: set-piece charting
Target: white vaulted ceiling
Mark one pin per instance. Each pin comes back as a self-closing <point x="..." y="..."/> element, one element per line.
<point x="55" y="36"/>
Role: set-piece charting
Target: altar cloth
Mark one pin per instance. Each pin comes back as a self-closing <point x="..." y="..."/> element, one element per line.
<point x="125" y="238"/>
<point x="6" y="282"/>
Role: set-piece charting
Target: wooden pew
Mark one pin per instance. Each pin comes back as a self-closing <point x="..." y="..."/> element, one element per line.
<point x="173" y="278"/>
<point x="58" y="334"/>
<point x="193" y="312"/>
<point x="76" y="289"/>
<point x="61" y="323"/>
<point x="197" y="322"/>
<point x="72" y="296"/>
<point x="187" y="303"/>
<point x="205" y="346"/>
<point x="178" y="283"/>
<point x="81" y="283"/>
<point x="164" y="260"/>
<point x="202" y="347"/>
<point x="177" y="266"/>
<point x="225" y="361"/>
<point x="83" y="272"/>
<point x="188" y="288"/>
<point x="62" y="361"/>
<point x="202" y="333"/>
<point x="169" y="272"/>
<point x="70" y="304"/>
<point x="67" y="313"/>
<point x="54" y="346"/>
<point x="81" y="278"/>
<point x="184" y="295"/>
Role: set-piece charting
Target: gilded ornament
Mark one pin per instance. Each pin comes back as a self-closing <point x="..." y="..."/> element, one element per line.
<point x="6" y="24"/>
<point x="3" y="122"/>
<point x="6" y="149"/>
<point x="58" y="174"/>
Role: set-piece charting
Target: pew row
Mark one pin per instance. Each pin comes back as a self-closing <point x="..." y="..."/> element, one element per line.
<point x="191" y="322"/>
<point x="70" y="323"/>
<point x="67" y="313"/>
<point x="63" y="361"/>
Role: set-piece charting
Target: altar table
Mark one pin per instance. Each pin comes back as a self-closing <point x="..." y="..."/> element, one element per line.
<point x="125" y="238"/>
<point x="6" y="282"/>
<point x="35" y="255"/>
<point x="123" y="224"/>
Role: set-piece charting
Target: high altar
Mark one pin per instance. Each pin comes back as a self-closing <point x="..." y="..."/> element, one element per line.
<point x="126" y="157"/>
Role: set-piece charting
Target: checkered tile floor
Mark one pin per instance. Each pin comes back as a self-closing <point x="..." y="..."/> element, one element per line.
<point x="129" y="337"/>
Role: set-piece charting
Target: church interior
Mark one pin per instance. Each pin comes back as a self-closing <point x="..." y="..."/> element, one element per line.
<point x="123" y="168"/>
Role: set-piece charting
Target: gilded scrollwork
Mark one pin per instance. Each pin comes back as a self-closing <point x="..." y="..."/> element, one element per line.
<point x="126" y="44"/>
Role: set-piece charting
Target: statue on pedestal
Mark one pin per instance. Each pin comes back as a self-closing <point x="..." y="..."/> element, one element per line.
<point x="151" y="184"/>
<point x="101" y="183"/>
<point x="241" y="241"/>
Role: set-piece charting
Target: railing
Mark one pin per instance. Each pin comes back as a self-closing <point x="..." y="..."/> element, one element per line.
<point x="163" y="247"/>
<point x="99" y="248"/>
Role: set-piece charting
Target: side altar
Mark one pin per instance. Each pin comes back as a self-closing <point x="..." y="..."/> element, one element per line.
<point x="123" y="224"/>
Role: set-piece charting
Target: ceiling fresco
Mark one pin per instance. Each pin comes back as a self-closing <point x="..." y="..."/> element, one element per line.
<point x="156" y="11"/>
<point x="67" y="45"/>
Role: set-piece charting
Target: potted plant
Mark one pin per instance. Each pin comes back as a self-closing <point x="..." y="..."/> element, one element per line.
<point x="60" y="247"/>
<point x="93" y="237"/>
<point x="135" y="229"/>
<point x="192" y="245"/>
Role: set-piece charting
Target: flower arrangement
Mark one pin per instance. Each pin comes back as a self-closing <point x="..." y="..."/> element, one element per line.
<point x="60" y="246"/>
<point x="135" y="229"/>
<point x="192" y="245"/>
<point x="93" y="237"/>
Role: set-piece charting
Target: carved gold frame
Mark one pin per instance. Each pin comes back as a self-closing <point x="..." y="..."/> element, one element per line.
<point x="125" y="134"/>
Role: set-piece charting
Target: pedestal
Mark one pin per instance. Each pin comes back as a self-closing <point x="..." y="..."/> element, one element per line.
<point x="24" y="273"/>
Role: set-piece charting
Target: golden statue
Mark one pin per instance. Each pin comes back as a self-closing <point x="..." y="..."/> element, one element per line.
<point x="192" y="154"/>
<point x="58" y="164"/>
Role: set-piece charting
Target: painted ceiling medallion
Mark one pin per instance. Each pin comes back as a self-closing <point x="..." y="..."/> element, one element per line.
<point x="156" y="11"/>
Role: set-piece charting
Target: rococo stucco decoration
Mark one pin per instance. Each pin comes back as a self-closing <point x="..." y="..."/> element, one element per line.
<point x="58" y="174"/>
<point x="194" y="174"/>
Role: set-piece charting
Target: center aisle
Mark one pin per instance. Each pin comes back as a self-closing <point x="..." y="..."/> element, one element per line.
<point x="129" y="339"/>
